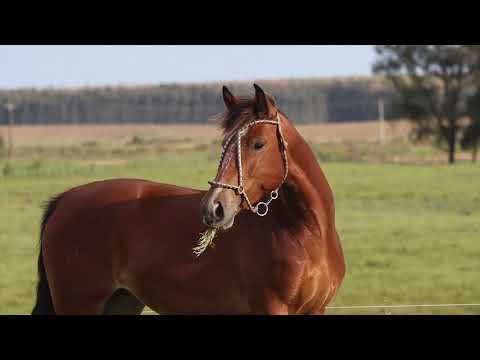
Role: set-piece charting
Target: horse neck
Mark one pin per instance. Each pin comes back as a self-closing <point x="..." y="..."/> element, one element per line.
<point x="309" y="186"/>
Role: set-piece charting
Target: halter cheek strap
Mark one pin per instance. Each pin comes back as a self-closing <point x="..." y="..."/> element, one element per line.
<point x="261" y="209"/>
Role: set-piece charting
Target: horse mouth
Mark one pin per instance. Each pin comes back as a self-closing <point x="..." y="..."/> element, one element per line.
<point x="228" y="224"/>
<point x="224" y="225"/>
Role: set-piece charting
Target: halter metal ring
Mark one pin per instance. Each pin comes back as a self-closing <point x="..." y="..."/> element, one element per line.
<point x="274" y="194"/>
<point x="258" y="211"/>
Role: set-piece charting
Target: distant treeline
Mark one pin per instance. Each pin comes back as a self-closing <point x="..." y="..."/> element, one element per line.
<point x="304" y="101"/>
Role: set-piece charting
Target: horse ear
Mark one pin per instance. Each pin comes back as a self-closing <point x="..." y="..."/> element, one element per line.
<point x="266" y="107"/>
<point x="229" y="99"/>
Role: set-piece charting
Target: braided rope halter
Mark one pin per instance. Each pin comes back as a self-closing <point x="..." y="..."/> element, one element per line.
<point x="261" y="209"/>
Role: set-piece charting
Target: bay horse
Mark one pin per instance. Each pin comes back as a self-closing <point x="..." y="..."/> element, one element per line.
<point x="116" y="246"/>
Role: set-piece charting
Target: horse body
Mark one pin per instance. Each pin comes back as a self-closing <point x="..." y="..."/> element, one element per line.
<point x="150" y="254"/>
<point x="115" y="246"/>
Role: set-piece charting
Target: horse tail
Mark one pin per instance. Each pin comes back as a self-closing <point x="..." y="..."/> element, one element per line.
<point x="44" y="303"/>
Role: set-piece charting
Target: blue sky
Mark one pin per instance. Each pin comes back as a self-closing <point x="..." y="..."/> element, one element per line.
<point x="74" y="65"/>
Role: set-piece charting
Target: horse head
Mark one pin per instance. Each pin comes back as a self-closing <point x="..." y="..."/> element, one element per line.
<point x="253" y="164"/>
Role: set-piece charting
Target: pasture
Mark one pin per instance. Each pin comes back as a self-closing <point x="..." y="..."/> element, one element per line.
<point x="409" y="224"/>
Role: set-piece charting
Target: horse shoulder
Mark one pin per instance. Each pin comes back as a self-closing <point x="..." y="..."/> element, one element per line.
<point x="289" y="262"/>
<point x="305" y="274"/>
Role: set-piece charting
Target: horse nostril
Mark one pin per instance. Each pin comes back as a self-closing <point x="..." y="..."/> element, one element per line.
<point x="208" y="220"/>
<point x="218" y="210"/>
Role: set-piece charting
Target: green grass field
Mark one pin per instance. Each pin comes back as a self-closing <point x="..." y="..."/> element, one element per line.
<point x="410" y="232"/>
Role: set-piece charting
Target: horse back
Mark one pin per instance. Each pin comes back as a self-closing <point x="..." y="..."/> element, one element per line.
<point x="109" y="229"/>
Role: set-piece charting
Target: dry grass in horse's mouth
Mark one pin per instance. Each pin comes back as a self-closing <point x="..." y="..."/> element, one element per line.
<point x="206" y="239"/>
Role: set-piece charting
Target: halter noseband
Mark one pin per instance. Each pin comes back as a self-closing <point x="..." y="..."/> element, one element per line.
<point x="257" y="209"/>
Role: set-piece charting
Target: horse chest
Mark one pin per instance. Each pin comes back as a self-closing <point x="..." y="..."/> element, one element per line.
<point x="301" y="285"/>
<point x="313" y="292"/>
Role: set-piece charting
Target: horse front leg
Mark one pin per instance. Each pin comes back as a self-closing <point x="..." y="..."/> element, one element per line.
<point x="266" y="302"/>
<point x="318" y="311"/>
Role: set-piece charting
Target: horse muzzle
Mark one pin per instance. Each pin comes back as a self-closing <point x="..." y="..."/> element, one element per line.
<point x="218" y="210"/>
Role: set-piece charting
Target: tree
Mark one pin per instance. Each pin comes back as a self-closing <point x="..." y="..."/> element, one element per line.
<point x="2" y="145"/>
<point x="471" y="135"/>
<point x="471" y="138"/>
<point x="431" y="83"/>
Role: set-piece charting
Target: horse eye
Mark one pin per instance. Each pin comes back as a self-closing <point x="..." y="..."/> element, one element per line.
<point x="258" y="145"/>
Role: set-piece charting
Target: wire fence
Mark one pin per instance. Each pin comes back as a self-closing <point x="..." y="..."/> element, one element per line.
<point x="369" y="307"/>
<point x="356" y="307"/>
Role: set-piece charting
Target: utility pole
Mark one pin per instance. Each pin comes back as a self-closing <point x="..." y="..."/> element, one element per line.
<point x="381" y="125"/>
<point x="10" y="106"/>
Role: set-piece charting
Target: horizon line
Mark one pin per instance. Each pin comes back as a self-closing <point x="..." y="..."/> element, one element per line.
<point x="133" y="85"/>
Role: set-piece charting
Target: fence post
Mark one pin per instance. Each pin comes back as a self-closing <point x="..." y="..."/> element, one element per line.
<point x="10" y="108"/>
<point x="381" y="125"/>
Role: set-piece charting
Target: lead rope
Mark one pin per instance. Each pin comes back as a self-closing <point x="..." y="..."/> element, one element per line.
<point x="240" y="190"/>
